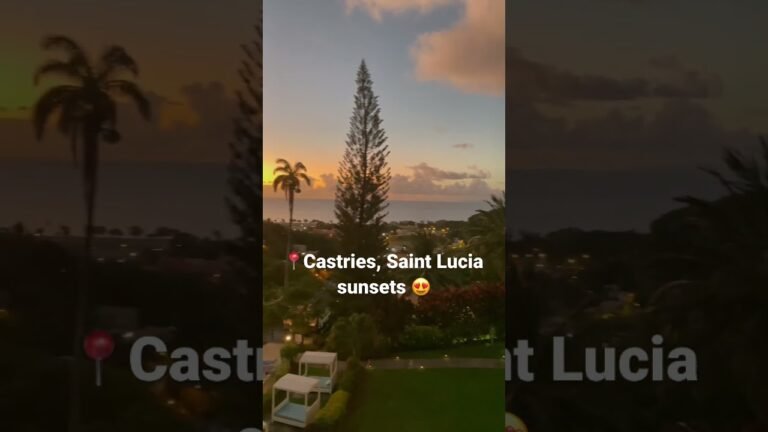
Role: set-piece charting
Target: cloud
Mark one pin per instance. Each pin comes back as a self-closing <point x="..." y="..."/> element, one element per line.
<point x="463" y="146"/>
<point x="679" y="81"/>
<point x="679" y="133"/>
<point x="468" y="56"/>
<point x="323" y="187"/>
<point x="430" y="181"/>
<point x="424" y="182"/>
<point x="325" y="181"/>
<point x="377" y="8"/>
<point x="403" y="185"/>
<point x="196" y="128"/>
<point x="590" y="121"/>
<point x="425" y="171"/>
<point x="539" y="82"/>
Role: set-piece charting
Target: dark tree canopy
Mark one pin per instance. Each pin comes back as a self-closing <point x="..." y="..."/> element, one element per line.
<point x="364" y="176"/>
<point x="245" y="167"/>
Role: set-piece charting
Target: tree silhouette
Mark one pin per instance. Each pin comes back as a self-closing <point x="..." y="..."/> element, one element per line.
<point x="18" y="228"/>
<point x="85" y="108"/>
<point x="487" y="228"/>
<point x="363" y="179"/>
<point x="245" y="182"/>
<point x="289" y="181"/>
<point x="246" y="164"/>
<point x="135" y="231"/>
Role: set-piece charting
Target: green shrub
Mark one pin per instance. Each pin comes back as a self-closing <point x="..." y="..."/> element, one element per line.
<point x="357" y="334"/>
<point x="352" y="375"/>
<point x="266" y="404"/>
<point x="329" y="416"/>
<point x="420" y="337"/>
<point x="291" y="350"/>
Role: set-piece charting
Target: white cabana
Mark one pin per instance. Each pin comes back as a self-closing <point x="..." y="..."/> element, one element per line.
<point x="290" y="412"/>
<point x="320" y="360"/>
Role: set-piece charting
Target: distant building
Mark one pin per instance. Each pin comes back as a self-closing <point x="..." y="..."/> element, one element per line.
<point x="115" y="248"/>
<point x="212" y="269"/>
<point x="124" y="322"/>
<point x="325" y="232"/>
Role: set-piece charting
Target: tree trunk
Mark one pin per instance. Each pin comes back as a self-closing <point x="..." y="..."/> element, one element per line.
<point x="288" y="241"/>
<point x="90" y="165"/>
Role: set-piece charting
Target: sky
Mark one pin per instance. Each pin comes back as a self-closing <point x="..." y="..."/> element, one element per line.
<point x="170" y="171"/>
<point x="437" y="67"/>
<point x="442" y="101"/>
<point x="188" y="53"/>
<point x="613" y="105"/>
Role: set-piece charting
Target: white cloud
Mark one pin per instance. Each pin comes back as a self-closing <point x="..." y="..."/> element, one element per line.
<point x="377" y="8"/>
<point x="469" y="55"/>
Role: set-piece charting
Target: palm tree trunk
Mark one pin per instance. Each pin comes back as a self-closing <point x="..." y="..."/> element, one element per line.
<point x="290" y="234"/>
<point x="90" y="165"/>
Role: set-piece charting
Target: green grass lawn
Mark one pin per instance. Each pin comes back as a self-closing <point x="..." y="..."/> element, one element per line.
<point x="445" y="400"/>
<point x="494" y="351"/>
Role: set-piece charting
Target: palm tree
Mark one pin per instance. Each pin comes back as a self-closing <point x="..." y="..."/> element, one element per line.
<point x="487" y="230"/>
<point x="84" y="106"/>
<point x="289" y="181"/>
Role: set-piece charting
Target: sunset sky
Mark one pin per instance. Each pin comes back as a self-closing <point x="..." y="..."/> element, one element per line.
<point x="437" y="68"/>
<point x="613" y="105"/>
<point x="169" y="172"/>
<point x="633" y="84"/>
<point x="188" y="58"/>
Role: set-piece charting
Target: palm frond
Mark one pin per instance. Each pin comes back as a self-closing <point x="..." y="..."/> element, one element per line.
<point x="279" y="181"/>
<point x="116" y="59"/>
<point x="75" y="53"/>
<point x="50" y="102"/>
<point x="63" y="43"/>
<point x="727" y="184"/>
<point x="132" y="91"/>
<point x="693" y="201"/>
<point x="57" y="68"/>
<point x="282" y="169"/>
<point x="305" y="178"/>
<point x="106" y="108"/>
<point x="70" y="118"/>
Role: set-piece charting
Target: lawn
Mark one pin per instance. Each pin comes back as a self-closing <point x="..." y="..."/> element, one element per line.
<point x="482" y="350"/>
<point x="445" y="400"/>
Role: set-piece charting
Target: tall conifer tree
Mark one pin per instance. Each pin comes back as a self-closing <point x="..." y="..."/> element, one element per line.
<point x="364" y="176"/>
<point x="245" y="200"/>
<point x="246" y="165"/>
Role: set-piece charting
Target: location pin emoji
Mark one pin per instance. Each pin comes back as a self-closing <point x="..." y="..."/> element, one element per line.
<point x="99" y="345"/>
<point x="293" y="256"/>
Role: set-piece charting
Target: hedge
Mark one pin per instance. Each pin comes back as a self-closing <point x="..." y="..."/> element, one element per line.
<point x="291" y="350"/>
<point x="328" y="417"/>
<point x="420" y="337"/>
<point x="352" y="375"/>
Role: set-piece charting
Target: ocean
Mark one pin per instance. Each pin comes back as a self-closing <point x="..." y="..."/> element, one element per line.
<point x="277" y="209"/>
<point x="192" y="197"/>
<point x="189" y="197"/>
